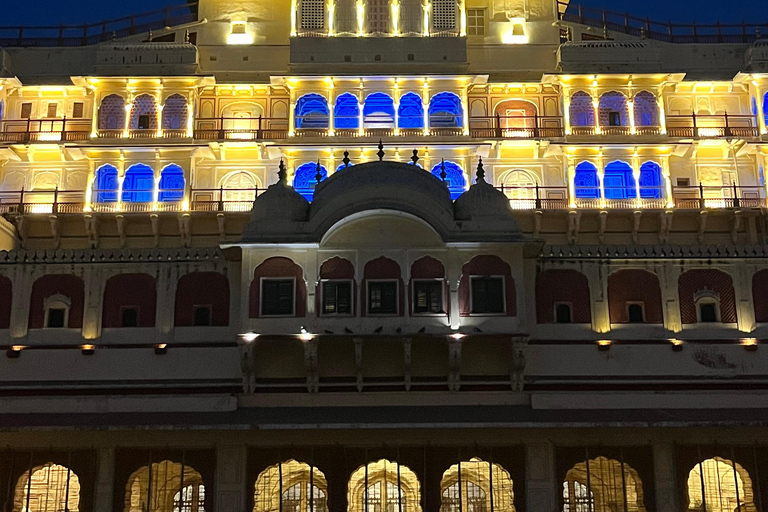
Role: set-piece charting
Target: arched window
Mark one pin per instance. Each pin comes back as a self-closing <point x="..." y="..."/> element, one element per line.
<point x="520" y="188"/>
<point x="457" y="182"/>
<point x="582" y="112"/>
<point x="165" y="487"/>
<point x="558" y="289"/>
<point x="384" y="486"/>
<point x="112" y="113"/>
<point x="646" y="109"/>
<point x="651" y="184"/>
<point x="476" y="486"/>
<point x="51" y="488"/>
<point x="311" y="112"/>
<point x="634" y="296"/>
<point x="144" y="113"/>
<point x="614" y="110"/>
<point x="765" y="107"/>
<point x="132" y="298"/>
<point x="619" y="182"/>
<point x="175" y="113"/>
<point x="602" y="485"/>
<point x="202" y="300"/>
<point x="445" y="111"/>
<point x="346" y="113"/>
<point x="706" y="296"/>
<point x="410" y="114"/>
<point x="516" y="114"/>
<point x="139" y="184"/>
<point x="586" y="181"/>
<point x="239" y="190"/>
<point x="344" y="166"/>
<point x="720" y="485"/>
<point x="57" y="301"/>
<point x="171" y="184"/>
<point x="379" y="109"/>
<point x="241" y="119"/>
<point x="290" y="486"/>
<point x="105" y="184"/>
<point x="304" y="179"/>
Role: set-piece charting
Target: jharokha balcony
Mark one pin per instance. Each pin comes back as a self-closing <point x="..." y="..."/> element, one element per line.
<point x="54" y="202"/>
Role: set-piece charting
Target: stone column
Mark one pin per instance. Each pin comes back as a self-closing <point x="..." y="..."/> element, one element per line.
<point x="662" y="112"/>
<point x="105" y="478"/>
<point x="664" y="474"/>
<point x="166" y="299"/>
<point x="567" y="109"/>
<point x="540" y="483"/>
<point x="231" y="485"/>
<point x="95" y="282"/>
<point x="668" y="280"/>
<point x="745" y="307"/>
<point x="22" y="291"/>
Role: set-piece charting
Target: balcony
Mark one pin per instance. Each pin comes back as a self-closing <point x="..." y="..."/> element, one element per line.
<point x="516" y="127"/>
<point x="22" y="131"/>
<point x="231" y="128"/>
<point x="143" y="134"/>
<point x="711" y="126"/>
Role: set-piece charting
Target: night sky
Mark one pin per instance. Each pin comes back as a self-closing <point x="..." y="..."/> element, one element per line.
<point x="54" y="12"/>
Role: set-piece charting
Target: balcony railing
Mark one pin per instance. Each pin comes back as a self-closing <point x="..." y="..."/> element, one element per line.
<point x="712" y="126"/>
<point x="45" y="130"/>
<point x="234" y="128"/>
<point x="733" y="196"/>
<point x="516" y="127"/>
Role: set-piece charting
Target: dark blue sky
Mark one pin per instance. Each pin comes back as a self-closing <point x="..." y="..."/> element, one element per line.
<point x="54" y="12"/>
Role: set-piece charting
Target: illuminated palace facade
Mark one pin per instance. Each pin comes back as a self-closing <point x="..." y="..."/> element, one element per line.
<point x="383" y="256"/>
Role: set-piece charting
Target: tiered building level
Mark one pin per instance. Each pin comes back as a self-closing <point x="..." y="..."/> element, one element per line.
<point x="383" y="256"/>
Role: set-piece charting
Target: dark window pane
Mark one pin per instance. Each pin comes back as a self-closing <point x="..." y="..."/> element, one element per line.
<point x="337" y="298"/>
<point x="130" y="318"/>
<point x="708" y="312"/>
<point x="277" y="297"/>
<point x="636" y="313"/>
<point x="487" y="295"/>
<point x="26" y="110"/>
<point x="56" y="317"/>
<point x="614" y="119"/>
<point x="382" y="298"/>
<point x="77" y="110"/>
<point x="563" y="314"/>
<point x="202" y="316"/>
<point x="143" y="122"/>
<point x="428" y="297"/>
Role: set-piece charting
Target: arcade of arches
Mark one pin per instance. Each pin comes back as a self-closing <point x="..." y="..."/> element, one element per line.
<point x="595" y="484"/>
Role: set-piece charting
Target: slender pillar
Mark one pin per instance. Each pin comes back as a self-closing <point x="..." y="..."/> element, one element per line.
<point x="567" y="109"/>
<point x="662" y="112"/>
<point x="540" y="485"/>
<point x="664" y="474"/>
<point x="230" y="484"/>
<point x="105" y="478"/>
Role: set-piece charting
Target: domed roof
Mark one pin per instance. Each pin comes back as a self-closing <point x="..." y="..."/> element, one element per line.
<point x="280" y="204"/>
<point x="483" y="201"/>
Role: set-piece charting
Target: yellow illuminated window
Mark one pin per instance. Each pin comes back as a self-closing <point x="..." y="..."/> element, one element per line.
<point x="476" y="22"/>
<point x="238" y="28"/>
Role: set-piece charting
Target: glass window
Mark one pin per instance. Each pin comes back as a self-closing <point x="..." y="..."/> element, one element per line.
<point x="563" y="313"/>
<point x="476" y="22"/>
<point x="382" y="297"/>
<point x="487" y="295"/>
<point x="130" y="317"/>
<point x="53" y="109"/>
<point x="614" y="119"/>
<point x="337" y="298"/>
<point x="428" y="297"/>
<point x="56" y="317"/>
<point x="202" y="316"/>
<point x="26" y="110"/>
<point x="144" y="122"/>
<point x="636" y="313"/>
<point x="277" y="297"/>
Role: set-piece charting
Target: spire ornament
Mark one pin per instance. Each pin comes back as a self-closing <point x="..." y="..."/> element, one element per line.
<point x="319" y="173"/>
<point x="281" y="174"/>
<point x="443" y="174"/>
<point x="480" y="176"/>
<point x="346" y="159"/>
<point x="381" y="150"/>
<point x="415" y="157"/>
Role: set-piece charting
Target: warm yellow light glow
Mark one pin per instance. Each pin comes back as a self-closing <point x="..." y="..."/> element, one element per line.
<point x="88" y="347"/>
<point x="425" y="24"/>
<point x="238" y="34"/>
<point x="294" y="13"/>
<point x="331" y="17"/>
<point x="676" y="342"/>
<point x="604" y="343"/>
<point x="458" y="336"/>
<point x="360" y="17"/>
<point x="249" y="337"/>
<point x="305" y="335"/>
<point x="516" y="34"/>
<point x="18" y="348"/>
<point x="396" y="17"/>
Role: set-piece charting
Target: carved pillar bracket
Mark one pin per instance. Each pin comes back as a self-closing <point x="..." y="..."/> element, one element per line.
<point x="603" y="223"/>
<point x="358" y="362"/>
<point x="247" y="366"/>
<point x="454" y="364"/>
<point x="21" y="231"/>
<point x="736" y="226"/>
<point x="92" y="230"/>
<point x="407" y="343"/>
<point x="702" y="225"/>
<point x="120" y="219"/>
<point x="537" y="223"/>
<point x="185" y="221"/>
<point x="310" y="361"/>
<point x="517" y="363"/>
<point x="155" y="220"/>
<point x="222" y="220"/>
<point x="665" y="225"/>
<point x="637" y="214"/>
<point x="55" y="231"/>
<point x="574" y="224"/>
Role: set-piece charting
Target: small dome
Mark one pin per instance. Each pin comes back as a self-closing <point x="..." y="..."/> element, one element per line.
<point x="482" y="200"/>
<point x="280" y="202"/>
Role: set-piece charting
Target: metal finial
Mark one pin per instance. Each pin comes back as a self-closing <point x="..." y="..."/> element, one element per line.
<point x="346" y="159"/>
<point x="480" y="176"/>
<point x="443" y="175"/>
<point x="281" y="174"/>
<point x="319" y="174"/>
<point x="381" y="150"/>
<point x="150" y="36"/>
<point x="186" y="36"/>
<point x="415" y="157"/>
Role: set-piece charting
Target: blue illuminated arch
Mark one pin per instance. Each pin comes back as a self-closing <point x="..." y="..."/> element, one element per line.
<point x="106" y="184"/>
<point x="311" y="112"/>
<point x="587" y="184"/>
<point x="619" y="183"/>
<point x="765" y="107"/>
<point x="454" y="175"/>
<point x="379" y="111"/>
<point x="339" y="168"/>
<point x="346" y="113"/>
<point x="139" y="184"/>
<point x="650" y="181"/>
<point x="410" y="113"/>
<point x="171" y="184"/>
<point x="304" y="179"/>
<point x="445" y="111"/>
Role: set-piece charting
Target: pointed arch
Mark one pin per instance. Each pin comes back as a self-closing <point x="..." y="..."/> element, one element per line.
<point x="311" y="112"/>
<point x="603" y="487"/>
<point x="410" y="113"/>
<point x="241" y="117"/>
<point x="112" y="113"/>
<point x="586" y="181"/>
<point x="476" y="486"/>
<point x="165" y="486"/>
<point x="346" y="112"/>
<point x="51" y="488"/>
<point x="614" y="109"/>
<point x="379" y="111"/>
<point x="722" y="484"/>
<point x="520" y="186"/>
<point x="619" y="181"/>
<point x="646" y="109"/>
<point x="304" y="179"/>
<point x="445" y="111"/>
<point x="240" y="187"/>
<point x="651" y="181"/>
<point x="291" y="486"/>
<point x="390" y="487"/>
<point x="457" y="181"/>
<point x="105" y="184"/>
<point x="144" y="113"/>
<point x="172" y="184"/>
<point x="138" y="184"/>
<point x="582" y="112"/>
<point x="175" y="112"/>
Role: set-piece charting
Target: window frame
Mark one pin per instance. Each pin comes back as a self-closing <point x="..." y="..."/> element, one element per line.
<point x="443" y="305"/>
<point x="503" y="294"/>
<point x="482" y="16"/>
<point x="261" y="297"/>
<point x="209" y="307"/>
<point x="570" y="312"/>
<point x="708" y="300"/>
<point x="123" y="309"/>
<point x="351" y="313"/>
<point x="642" y="311"/>
<point x="57" y="301"/>
<point x="368" y="311"/>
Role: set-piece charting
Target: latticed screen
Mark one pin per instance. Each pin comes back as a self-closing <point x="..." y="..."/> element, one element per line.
<point x="444" y="14"/>
<point x="346" y="17"/>
<point x="313" y="14"/>
<point x="378" y="16"/>
<point x="411" y="17"/>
